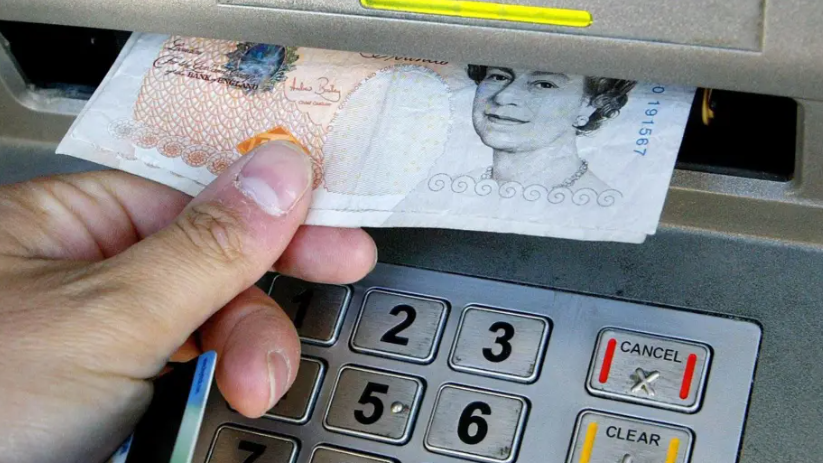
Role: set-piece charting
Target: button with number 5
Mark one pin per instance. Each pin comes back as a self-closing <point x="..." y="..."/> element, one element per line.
<point x="478" y="425"/>
<point x="374" y="404"/>
<point x="501" y="344"/>
<point x="399" y="326"/>
<point x="233" y="445"/>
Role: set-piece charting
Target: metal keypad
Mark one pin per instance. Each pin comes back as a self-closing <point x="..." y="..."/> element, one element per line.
<point x="297" y="404"/>
<point x="324" y="454"/>
<point x="374" y="404"/>
<point x="653" y="370"/>
<point x="233" y="445"/>
<point x="534" y="405"/>
<point x="605" y="438"/>
<point x="500" y="344"/>
<point x="474" y="424"/>
<point x="315" y="309"/>
<point x="399" y="326"/>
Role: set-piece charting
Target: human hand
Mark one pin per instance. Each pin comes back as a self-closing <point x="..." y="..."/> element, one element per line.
<point x="105" y="277"/>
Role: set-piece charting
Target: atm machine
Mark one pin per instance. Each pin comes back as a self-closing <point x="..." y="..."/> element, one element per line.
<point x="701" y="345"/>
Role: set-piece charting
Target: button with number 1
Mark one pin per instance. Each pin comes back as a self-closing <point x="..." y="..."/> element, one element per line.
<point x="500" y="344"/>
<point x="478" y="425"/>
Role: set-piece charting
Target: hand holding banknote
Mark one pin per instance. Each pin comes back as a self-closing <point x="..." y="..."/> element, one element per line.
<point x="105" y="276"/>
<point x="395" y="141"/>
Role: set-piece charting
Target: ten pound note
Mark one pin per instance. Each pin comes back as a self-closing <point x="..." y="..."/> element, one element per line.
<point x="396" y="142"/>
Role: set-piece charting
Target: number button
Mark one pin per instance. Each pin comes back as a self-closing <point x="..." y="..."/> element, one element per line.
<point x="478" y="425"/>
<point x="500" y="344"/>
<point x="324" y="454"/>
<point x="232" y="445"/>
<point x="316" y="310"/>
<point x="398" y="326"/>
<point x="297" y="404"/>
<point x="372" y="404"/>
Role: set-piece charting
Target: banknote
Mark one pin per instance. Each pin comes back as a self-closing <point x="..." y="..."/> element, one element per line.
<point x="396" y="141"/>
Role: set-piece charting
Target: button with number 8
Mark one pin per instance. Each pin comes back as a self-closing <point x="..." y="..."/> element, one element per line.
<point x="478" y="425"/>
<point x="373" y="404"/>
<point x="399" y="326"/>
<point x="500" y="344"/>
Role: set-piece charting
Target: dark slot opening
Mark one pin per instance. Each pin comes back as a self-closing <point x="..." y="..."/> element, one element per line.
<point x="73" y="60"/>
<point x="750" y="136"/>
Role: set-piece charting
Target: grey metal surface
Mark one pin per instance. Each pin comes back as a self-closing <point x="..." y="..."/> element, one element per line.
<point x="331" y="455"/>
<point x="491" y="423"/>
<point x="500" y="344"/>
<point x="559" y="395"/>
<point x="790" y="61"/>
<point x="400" y="326"/>
<point x="297" y="405"/>
<point x="619" y="439"/>
<point x="374" y="404"/>
<point x="316" y="309"/>
<point x="648" y="369"/>
<point x="233" y="445"/>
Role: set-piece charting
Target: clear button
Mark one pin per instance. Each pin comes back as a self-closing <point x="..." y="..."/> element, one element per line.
<point x="652" y="370"/>
<point x="604" y="438"/>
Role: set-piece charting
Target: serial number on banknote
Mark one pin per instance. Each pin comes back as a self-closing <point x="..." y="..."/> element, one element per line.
<point x="647" y="126"/>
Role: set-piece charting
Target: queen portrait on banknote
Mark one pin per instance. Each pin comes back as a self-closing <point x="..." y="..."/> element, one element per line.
<point x="532" y="119"/>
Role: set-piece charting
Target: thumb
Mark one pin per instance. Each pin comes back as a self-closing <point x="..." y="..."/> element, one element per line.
<point x="223" y="242"/>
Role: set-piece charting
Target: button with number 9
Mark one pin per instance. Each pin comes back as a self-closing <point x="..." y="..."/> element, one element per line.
<point x="478" y="425"/>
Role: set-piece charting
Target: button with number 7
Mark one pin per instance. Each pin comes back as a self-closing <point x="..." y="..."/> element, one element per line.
<point x="501" y="344"/>
<point x="478" y="425"/>
<point x="374" y="404"/>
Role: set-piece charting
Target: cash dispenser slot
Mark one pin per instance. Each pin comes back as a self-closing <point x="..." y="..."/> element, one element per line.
<point x="728" y="133"/>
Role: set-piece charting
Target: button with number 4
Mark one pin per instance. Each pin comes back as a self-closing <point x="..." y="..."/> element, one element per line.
<point x="399" y="326"/>
<point x="296" y="405"/>
<point x="232" y="445"/>
<point x="374" y="404"/>
<point x="315" y="309"/>
<point x="500" y="344"/>
<point x="478" y="425"/>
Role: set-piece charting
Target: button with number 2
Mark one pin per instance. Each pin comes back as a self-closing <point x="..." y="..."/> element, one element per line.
<point x="500" y="344"/>
<point x="478" y="425"/>
<point x="373" y="404"/>
<point x="399" y="326"/>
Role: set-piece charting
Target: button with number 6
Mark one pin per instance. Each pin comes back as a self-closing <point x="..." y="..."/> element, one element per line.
<point x="500" y="344"/>
<point x="374" y="404"/>
<point x="399" y="326"/>
<point x="478" y="425"/>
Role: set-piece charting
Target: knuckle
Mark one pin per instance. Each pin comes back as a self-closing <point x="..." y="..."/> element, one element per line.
<point x="214" y="231"/>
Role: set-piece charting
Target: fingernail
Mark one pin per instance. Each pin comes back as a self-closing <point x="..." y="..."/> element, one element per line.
<point x="279" y="373"/>
<point x="276" y="177"/>
<point x="376" y="259"/>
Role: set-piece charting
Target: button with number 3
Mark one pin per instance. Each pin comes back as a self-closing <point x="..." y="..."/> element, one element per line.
<point x="478" y="425"/>
<point x="374" y="404"/>
<point x="500" y="344"/>
<point x="232" y="445"/>
<point x="399" y="326"/>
